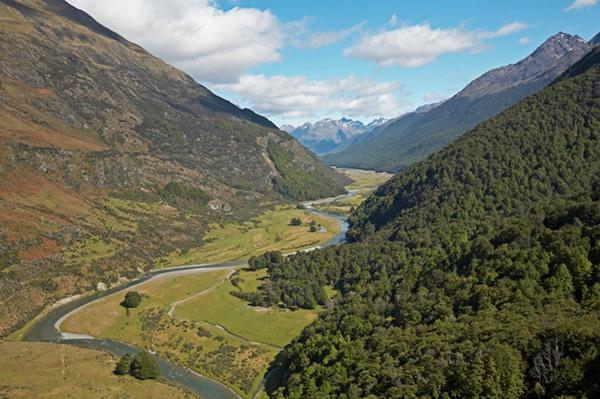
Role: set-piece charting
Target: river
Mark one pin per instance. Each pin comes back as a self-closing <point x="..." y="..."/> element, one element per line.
<point x="47" y="327"/>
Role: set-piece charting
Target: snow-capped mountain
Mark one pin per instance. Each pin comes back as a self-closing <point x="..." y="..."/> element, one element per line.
<point x="329" y="135"/>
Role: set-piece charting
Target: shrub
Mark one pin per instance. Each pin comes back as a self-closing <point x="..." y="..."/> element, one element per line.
<point x="132" y="300"/>
<point x="124" y="364"/>
<point x="144" y="367"/>
<point x="296" y="222"/>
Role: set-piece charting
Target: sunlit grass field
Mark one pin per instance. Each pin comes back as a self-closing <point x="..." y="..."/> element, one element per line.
<point x="364" y="183"/>
<point x="106" y="318"/>
<point x="270" y="231"/>
<point x="273" y="326"/>
<point x="42" y="370"/>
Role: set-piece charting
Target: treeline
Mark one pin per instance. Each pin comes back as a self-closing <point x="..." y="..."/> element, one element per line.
<point x="474" y="274"/>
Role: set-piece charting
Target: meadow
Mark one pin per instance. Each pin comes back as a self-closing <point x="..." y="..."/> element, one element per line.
<point x="272" y="326"/>
<point x="270" y="231"/>
<point x="61" y="371"/>
<point x="209" y="330"/>
<point x="364" y="183"/>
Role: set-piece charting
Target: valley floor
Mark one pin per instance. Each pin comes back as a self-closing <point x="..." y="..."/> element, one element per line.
<point x="364" y="183"/>
<point x="192" y="319"/>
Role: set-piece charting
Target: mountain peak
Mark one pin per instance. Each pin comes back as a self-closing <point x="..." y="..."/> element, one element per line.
<point x="557" y="46"/>
<point x="595" y="40"/>
<point x="561" y="48"/>
<point x="329" y="135"/>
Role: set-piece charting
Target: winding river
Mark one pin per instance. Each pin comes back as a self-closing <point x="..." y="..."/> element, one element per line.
<point x="47" y="327"/>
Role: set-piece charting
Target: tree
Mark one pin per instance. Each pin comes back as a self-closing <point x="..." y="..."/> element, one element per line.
<point x="313" y="226"/>
<point x="296" y="222"/>
<point x="144" y="367"/>
<point x="124" y="364"/>
<point x="132" y="300"/>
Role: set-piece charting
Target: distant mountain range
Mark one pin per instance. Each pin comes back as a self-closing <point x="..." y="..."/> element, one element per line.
<point x="414" y="136"/>
<point x="329" y="136"/>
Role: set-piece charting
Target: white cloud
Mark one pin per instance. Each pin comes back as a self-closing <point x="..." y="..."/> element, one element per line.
<point x="577" y="4"/>
<point x="322" y="39"/>
<point x="524" y="40"/>
<point x="505" y="30"/>
<point x="195" y="35"/>
<point x="297" y="98"/>
<point x="417" y="45"/>
<point x="299" y="34"/>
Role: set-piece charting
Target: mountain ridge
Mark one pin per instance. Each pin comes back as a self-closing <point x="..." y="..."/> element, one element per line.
<point x="412" y="138"/>
<point x="111" y="159"/>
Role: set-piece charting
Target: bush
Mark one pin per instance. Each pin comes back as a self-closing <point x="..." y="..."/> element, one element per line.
<point x="144" y="367"/>
<point x="296" y="222"/>
<point x="184" y="196"/>
<point x="132" y="300"/>
<point x="124" y="365"/>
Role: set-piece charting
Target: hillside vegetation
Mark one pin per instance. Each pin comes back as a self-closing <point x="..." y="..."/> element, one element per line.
<point x="110" y="158"/>
<point x="476" y="273"/>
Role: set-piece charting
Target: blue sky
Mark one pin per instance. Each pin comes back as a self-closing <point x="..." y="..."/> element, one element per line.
<point x="298" y="61"/>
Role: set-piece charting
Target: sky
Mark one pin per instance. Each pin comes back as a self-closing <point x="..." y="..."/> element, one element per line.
<point x="297" y="61"/>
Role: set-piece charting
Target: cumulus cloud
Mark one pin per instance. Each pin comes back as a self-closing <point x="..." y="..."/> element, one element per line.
<point x="209" y="43"/>
<point x="417" y="45"/>
<point x="297" y="98"/>
<point x="577" y="4"/>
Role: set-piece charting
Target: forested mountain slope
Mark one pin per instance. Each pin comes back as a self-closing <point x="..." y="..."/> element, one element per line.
<point x="412" y="138"/>
<point x="475" y="273"/>
<point x="110" y="158"/>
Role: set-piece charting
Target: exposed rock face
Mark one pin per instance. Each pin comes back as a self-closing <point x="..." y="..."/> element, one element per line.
<point x="94" y="129"/>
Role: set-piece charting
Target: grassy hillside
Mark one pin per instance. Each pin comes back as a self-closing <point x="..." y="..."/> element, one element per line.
<point x="476" y="273"/>
<point x="110" y="159"/>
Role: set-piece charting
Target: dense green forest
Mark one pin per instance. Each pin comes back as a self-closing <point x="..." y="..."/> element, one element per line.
<point x="474" y="274"/>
